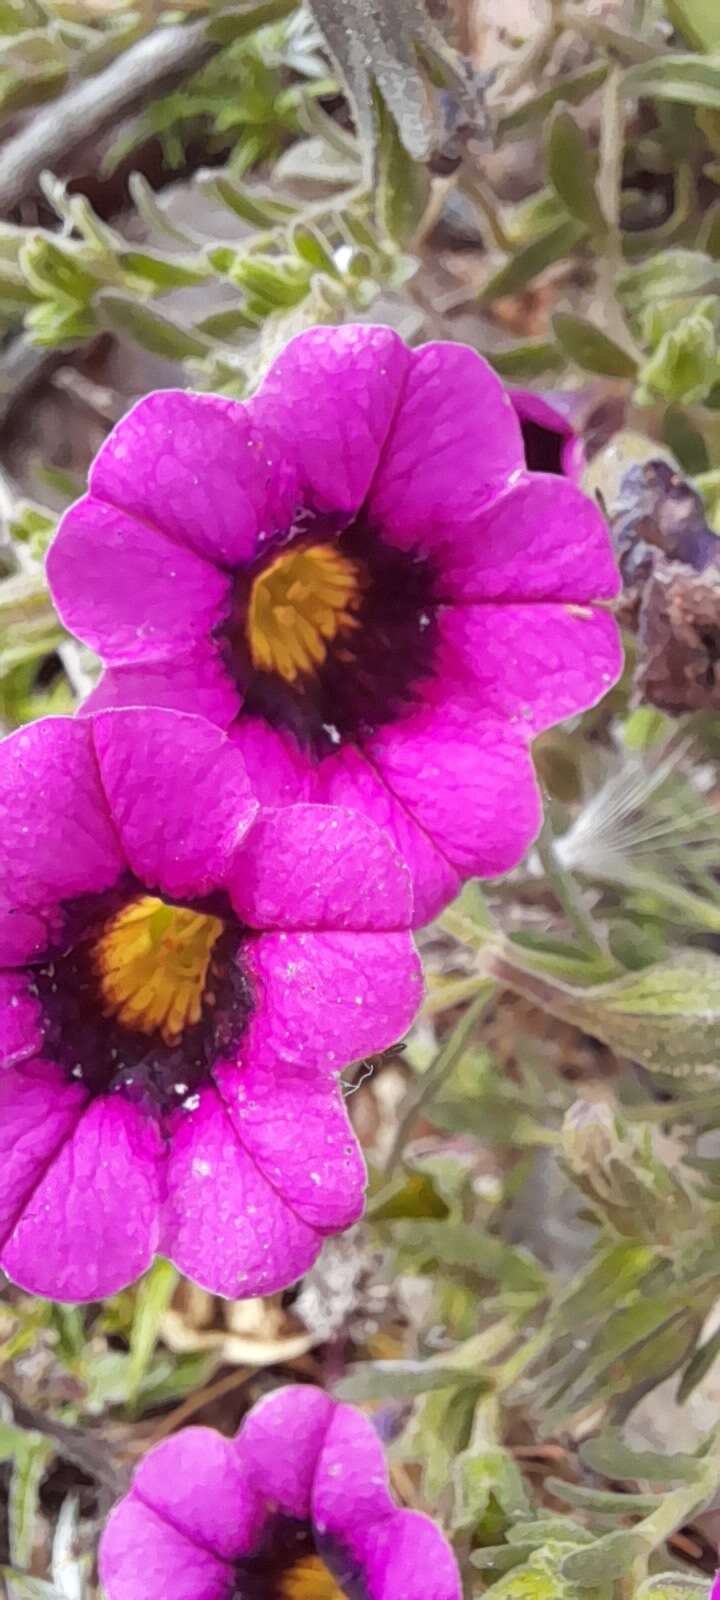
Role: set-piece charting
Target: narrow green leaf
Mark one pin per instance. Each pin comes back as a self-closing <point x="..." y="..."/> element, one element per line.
<point x="403" y="185"/>
<point x="392" y="1380"/>
<point x="529" y="360"/>
<point x="520" y="270"/>
<point x="698" y="21"/>
<point x="26" y="1588"/>
<point x="703" y="1359"/>
<point x="666" y="274"/>
<point x="153" y="1298"/>
<point x="607" y="1455"/>
<point x="259" y="211"/>
<point x="148" y="328"/>
<point x="691" y="80"/>
<point x="605" y="1560"/>
<point x="572" y="167"/>
<point x="244" y="19"/>
<point x="591" y="349"/>
<point x="672" y="1586"/>
<point x="573" y="90"/>
<point x="162" y="272"/>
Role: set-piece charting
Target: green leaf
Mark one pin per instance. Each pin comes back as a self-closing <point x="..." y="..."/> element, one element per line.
<point x="464" y="1246"/>
<point x="666" y="1016"/>
<point x="30" y="1454"/>
<point x="573" y="90"/>
<point x="259" y="211"/>
<point x="692" y="80"/>
<point x="392" y="1380"/>
<point x="313" y="249"/>
<point x="533" y="259"/>
<point x="529" y="360"/>
<point x="154" y="1294"/>
<point x="247" y="18"/>
<point x="665" y="274"/>
<point x="608" y="1455"/>
<point x="685" y="441"/>
<point x="703" y="1359"/>
<point x="605" y="1560"/>
<point x="572" y="167"/>
<point x="162" y="272"/>
<point x="403" y="185"/>
<point x="27" y="1588"/>
<point x="672" y="1586"/>
<point x="53" y="271"/>
<point x="698" y="21"/>
<point x="483" y="1474"/>
<point x="591" y="349"/>
<point x="148" y="328"/>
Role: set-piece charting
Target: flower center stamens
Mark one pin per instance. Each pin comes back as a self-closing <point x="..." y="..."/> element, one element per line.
<point x="298" y="605"/>
<point x="152" y="962"/>
<point x="308" y="1579"/>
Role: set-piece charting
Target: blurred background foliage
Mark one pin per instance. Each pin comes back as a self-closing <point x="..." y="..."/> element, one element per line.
<point x="532" y="1305"/>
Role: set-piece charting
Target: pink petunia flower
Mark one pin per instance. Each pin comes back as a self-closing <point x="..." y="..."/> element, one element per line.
<point x="182" y="976"/>
<point x="551" y="439"/>
<point x="295" y="1508"/>
<point x="356" y="572"/>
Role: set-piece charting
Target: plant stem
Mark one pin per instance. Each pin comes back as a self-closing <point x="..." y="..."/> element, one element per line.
<point x="422" y="1092"/>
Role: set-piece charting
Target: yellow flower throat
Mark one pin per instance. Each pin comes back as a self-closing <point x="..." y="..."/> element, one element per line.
<point x="298" y="605"/>
<point x="308" y="1579"/>
<point x="152" y="961"/>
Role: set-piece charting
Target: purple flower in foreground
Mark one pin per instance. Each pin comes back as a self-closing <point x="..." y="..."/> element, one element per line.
<point x="715" y="1591"/>
<point x="295" y="1508"/>
<point x="552" y="442"/>
<point x="356" y="572"/>
<point x="182" y="976"/>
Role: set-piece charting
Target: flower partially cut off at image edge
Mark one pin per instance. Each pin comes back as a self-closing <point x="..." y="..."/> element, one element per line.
<point x="356" y="574"/>
<point x="296" y="1507"/>
<point x="551" y="440"/>
<point x="183" y="974"/>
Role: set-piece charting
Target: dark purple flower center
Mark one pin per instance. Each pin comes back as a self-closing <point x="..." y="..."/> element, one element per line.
<point x="290" y="1566"/>
<point x="145" y="996"/>
<point x="331" y="633"/>
<point x="543" y="446"/>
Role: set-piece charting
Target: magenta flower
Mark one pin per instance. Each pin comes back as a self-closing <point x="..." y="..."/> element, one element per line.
<point x="551" y="439"/>
<point x="356" y="572"/>
<point x="182" y="976"/>
<point x="295" y="1508"/>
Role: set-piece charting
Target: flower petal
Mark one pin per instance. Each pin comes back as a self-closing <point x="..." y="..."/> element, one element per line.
<point x="313" y="866"/>
<point x="321" y="1173"/>
<point x="406" y="1554"/>
<point x="197" y="467"/>
<point x="280" y="772"/>
<point x="127" y="590"/>
<point x="469" y="782"/>
<point x="223" y="1223"/>
<point x="21" y="1027"/>
<point x="330" y="998"/>
<point x="57" y="839"/>
<point x="280" y="1443"/>
<point x="39" y="1113"/>
<point x="179" y="795"/>
<point x="198" y="682"/>
<point x="330" y="398"/>
<point x="349" y="779"/>
<point x="141" y="1555"/>
<point x="543" y="540"/>
<point x="532" y="664"/>
<point x="195" y="1482"/>
<point x="350" y="1489"/>
<point x="455" y="441"/>
<point x="89" y="1226"/>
